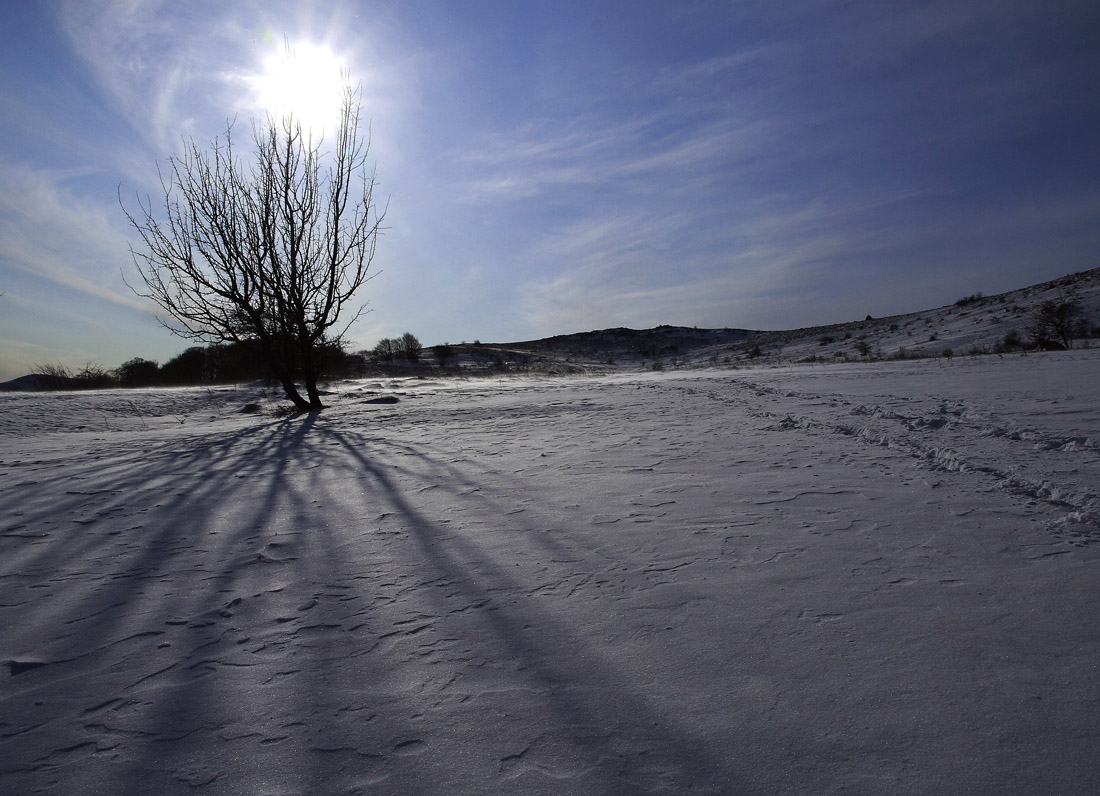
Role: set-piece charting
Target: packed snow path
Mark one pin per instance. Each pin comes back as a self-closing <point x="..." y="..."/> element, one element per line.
<point x="849" y="579"/>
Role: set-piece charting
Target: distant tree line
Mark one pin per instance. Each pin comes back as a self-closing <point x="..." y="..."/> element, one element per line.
<point x="218" y="363"/>
<point x="223" y="363"/>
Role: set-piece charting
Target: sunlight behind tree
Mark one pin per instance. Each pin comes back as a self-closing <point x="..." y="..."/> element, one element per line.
<point x="266" y="253"/>
<point x="304" y="81"/>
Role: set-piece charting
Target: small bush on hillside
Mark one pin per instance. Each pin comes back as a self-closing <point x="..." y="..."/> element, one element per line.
<point x="1010" y="342"/>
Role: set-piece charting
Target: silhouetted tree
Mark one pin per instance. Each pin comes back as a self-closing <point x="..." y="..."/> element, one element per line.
<point x="1056" y="323"/>
<point x="187" y="367"/>
<point x="410" y="347"/>
<point x="406" y="347"/>
<point x="385" y="350"/>
<point x="266" y="256"/>
<point x="137" y="372"/>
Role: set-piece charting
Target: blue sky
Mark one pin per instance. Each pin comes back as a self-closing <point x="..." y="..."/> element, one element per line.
<point x="554" y="167"/>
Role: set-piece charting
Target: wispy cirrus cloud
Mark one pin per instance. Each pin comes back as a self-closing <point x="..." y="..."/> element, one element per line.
<point x="750" y="163"/>
<point x="670" y="142"/>
<point x="52" y="232"/>
<point x="816" y="261"/>
<point x="770" y="169"/>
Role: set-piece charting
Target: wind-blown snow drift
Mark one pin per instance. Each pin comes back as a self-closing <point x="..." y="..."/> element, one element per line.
<point x="849" y="579"/>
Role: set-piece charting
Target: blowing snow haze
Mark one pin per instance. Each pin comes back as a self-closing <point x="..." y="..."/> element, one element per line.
<point x="553" y="168"/>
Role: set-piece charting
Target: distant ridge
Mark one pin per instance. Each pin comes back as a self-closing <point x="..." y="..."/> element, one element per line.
<point x="35" y="382"/>
<point x="973" y="325"/>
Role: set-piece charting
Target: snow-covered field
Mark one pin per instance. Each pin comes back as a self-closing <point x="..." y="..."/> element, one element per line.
<point x="862" y="578"/>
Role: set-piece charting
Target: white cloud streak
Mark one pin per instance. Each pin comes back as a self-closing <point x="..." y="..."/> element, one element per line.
<point x="52" y="232"/>
<point x="807" y="150"/>
<point x="739" y="179"/>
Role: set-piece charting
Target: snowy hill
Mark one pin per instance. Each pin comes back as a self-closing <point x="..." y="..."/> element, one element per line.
<point x="975" y="324"/>
<point x="33" y="382"/>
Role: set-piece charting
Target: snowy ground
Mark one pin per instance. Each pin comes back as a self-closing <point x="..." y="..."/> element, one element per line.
<point x="866" y="579"/>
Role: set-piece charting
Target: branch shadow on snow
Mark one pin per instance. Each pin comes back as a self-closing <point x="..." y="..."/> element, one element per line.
<point x="282" y="606"/>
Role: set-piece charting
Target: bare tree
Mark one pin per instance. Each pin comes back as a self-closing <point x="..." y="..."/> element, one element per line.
<point x="406" y="347"/>
<point x="411" y="347"/>
<point x="1055" y="323"/>
<point x="53" y="375"/>
<point x="385" y="350"/>
<point x="268" y="254"/>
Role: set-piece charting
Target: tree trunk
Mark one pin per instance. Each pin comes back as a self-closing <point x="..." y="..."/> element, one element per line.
<point x="291" y="390"/>
<point x="314" y="395"/>
<point x="309" y="375"/>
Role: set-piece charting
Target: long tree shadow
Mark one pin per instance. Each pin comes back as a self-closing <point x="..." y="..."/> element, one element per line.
<point x="119" y="582"/>
<point x="610" y="727"/>
<point x="277" y="606"/>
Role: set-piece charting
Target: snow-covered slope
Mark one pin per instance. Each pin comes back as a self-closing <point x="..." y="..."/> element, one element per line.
<point x="975" y="325"/>
<point x="860" y="578"/>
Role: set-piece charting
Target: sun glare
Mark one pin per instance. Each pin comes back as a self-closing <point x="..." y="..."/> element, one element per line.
<point x="304" y="81"/>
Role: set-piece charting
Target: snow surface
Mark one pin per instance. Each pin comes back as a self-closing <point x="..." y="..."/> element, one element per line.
<point x="857" y="578"/>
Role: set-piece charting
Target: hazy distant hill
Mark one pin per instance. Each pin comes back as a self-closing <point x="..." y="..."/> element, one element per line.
<point x="34" y="382"/>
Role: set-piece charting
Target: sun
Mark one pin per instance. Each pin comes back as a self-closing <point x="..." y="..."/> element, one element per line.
<point x="305" y="82"/>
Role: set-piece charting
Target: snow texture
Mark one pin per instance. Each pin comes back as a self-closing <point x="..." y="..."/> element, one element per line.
<point x="846" y="579"/>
